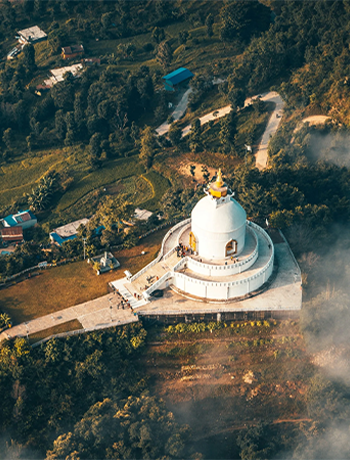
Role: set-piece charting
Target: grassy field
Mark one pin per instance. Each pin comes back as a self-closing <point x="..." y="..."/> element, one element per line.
<point x="19" y="177"/>
<point x="221" y="382"/>
<point x="110" y="172"/>
<point x="72" y="325"/>
<point x="199" y="51"/>
<point x="135" y="188"/>
<point x="159" y="186"/>
<point x="62" y="287"/>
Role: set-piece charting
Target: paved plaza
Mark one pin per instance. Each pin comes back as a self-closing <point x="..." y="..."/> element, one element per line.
<point x="95" y="314"/>
<point x="284" y="294"/>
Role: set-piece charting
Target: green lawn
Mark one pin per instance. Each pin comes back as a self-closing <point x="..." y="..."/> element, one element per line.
<point x="62" y="287"/>
<point x="72" y="325"/>
<point x="160" y="185"/>
<point x="19" y="177"/>
<point x="110" y="172"/>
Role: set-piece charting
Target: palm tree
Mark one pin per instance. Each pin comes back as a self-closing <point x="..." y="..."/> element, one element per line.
<point x="5" y="320"/>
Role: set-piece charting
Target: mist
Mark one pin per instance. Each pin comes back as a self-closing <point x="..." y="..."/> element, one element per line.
<point x="10" y="450"/>
<point x="333" y="148"/>
<point x="325" y="322"/>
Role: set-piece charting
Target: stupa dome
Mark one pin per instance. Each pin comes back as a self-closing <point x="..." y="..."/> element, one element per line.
<point x="214" y="216"/>
<point x="218" y="223"/>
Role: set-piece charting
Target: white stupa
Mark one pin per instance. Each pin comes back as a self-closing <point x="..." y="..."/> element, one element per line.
<point x="216" y="255"/>
<point x="218" y="224"/>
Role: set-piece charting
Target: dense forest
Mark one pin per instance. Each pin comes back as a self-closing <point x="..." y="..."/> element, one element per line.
<point x="88" y="393"/>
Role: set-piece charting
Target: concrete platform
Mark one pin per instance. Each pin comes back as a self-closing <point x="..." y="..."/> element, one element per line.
<point x="95" y="314"/>
<point x="284" y="294"/>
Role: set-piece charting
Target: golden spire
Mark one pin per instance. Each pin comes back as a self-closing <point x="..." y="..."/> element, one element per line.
<point x="219" y="181"/>
<point x="218" y="188"/>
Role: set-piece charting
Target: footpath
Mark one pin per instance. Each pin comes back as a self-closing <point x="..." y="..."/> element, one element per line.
<point x="100" y="313"/>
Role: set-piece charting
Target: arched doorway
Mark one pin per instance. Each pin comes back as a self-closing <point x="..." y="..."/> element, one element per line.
<point x="231" y="248"/>
<point x="192" y="241"/>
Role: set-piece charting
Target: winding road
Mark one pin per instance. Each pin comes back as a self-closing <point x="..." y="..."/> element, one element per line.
<point x="271" y="128"/>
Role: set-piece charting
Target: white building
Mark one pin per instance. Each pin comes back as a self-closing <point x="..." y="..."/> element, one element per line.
<point x="31" y="35"/>
<point x="215" y="256"/>
<point x="57" y="75"/>
<point x="67" y="232"/>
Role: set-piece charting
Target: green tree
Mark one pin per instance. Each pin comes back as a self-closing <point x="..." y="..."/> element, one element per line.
<point x="175" y="134"/>
<point x="60" y="124"/>
<point x="183" y="37"/>
<point x="195" y="135"/>
<point x="164" y="54"/>
<point x="112" y="212"/>
<point x="205" y="173"/>
<point x="209" y="22"/>
<point x="7" y="138"/>
<point x="5" y="320"/>
<point x="147" y="147"/>
<point x="240" y="19"/>
<point x="71" y="133"/>
<point x="106" y="20"/>
<point x="256" y="443"/>
<point x="192" y="170"/>
<point x="28" y="7"/>
<point x="139" y="428"/>
<point x="94" y="148"/>
<point x="29" y="58"/>
<point x="158" y="34"/>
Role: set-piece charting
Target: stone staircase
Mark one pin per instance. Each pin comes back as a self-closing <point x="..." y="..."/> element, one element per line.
<point x="120" y="285"/>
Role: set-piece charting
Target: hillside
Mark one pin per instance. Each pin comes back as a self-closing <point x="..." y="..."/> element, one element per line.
<point x="87" y="147"/>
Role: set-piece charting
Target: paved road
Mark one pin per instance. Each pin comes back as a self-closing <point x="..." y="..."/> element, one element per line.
<point x="177" y="114"/>
<point x="214" y="115"/>
<point x="95" y="314"/>
<point x="271" y="128"/>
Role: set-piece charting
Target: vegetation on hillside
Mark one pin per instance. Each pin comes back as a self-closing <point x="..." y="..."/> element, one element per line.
<point x="79" y="150"/>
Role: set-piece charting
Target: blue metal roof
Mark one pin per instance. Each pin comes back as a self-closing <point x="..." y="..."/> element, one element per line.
<point x="178" y="75"/>
<point x="60" y="240"/>
<point x="10" y="220"/>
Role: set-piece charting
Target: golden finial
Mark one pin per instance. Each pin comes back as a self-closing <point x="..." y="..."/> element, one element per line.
<point x="219" y="181"/>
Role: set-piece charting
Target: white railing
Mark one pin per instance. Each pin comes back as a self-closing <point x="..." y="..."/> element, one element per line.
<point x="147" y="267"/>
<point x="238" y="265"/>
<point x="171" y="231"/>
<point x="161" y="252"/>
<point x="261" y="272"/>
<point x="158" y="283"/>
<point x="181" y="263"/>
<point x="182" y="231"/>
<point x="170" y="253"/>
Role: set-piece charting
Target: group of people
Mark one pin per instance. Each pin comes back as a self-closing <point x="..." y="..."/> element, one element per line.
<point x="182" y="250"/>
<point x="124" y="303"/>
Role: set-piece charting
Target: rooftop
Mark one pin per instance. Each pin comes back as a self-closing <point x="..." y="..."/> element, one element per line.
<point x="58" y="74"/>
<point x="19" y="218"/>
<point x="32" y="34"/>
<point x="12" y="231"/>
<point x="73" y="49"/>
<point x="142" y="214"/>
<point x="71" y="229"/>
<point x="178" y="75"/>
